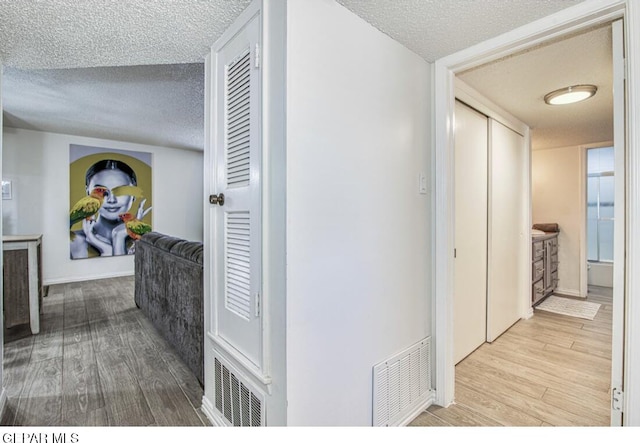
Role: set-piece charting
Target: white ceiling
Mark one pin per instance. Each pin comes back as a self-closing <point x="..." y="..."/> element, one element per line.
<point x="436" y="28"/>
<point x="68" y="34"/>
<point x="519" y="83"/>
<point x="161" y="105"/>
<point x="55" y="34"/>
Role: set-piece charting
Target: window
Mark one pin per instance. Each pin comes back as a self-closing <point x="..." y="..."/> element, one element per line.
<point x="600" y="197"/>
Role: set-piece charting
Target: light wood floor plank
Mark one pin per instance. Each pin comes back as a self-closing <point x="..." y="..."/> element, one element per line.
<point x="595" y="414"/>
<point x="428" y="419"/>
<point x="586" y="347"/>
<point x="493" y="408"/>
<point x="461" y="415"/>
<point x="474" y="369"/>
<point x="536" y="361"/>
<point x="550" y="370"/>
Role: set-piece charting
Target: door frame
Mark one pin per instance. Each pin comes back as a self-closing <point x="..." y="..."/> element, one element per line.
<point x="572" y="19"/>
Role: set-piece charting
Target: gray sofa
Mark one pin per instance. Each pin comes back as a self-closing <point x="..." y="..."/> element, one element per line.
<point x="169" y="290"/>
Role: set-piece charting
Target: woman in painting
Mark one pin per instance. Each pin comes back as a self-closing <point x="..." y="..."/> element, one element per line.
<point x="105" y="234"/>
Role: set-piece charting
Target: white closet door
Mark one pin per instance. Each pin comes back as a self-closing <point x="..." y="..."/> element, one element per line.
<point x="470" y="296"/>
<point x="507" y="224"/>
<point x="236" y="242"/>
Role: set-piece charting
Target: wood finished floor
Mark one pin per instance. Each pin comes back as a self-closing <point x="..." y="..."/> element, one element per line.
<point x="550" y="370"/>
<point x="97" y="361"/>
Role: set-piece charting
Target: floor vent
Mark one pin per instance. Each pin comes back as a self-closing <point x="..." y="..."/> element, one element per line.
<point x="401" y="384"/>
<point x="234" y="400"/>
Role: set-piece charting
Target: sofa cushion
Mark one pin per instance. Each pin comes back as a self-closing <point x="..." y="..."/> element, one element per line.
<point x="189" y="250"/>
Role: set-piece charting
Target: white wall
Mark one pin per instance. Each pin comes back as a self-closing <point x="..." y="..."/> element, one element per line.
<point x="38" y="164"/>
<point x="557" y="198"/>
<point x="358" y="232"/>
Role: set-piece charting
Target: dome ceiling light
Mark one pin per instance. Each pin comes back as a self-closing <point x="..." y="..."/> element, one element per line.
<point x="571" y="94"/>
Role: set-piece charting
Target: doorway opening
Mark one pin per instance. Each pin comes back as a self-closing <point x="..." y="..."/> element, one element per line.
<point x="445" y="77"/>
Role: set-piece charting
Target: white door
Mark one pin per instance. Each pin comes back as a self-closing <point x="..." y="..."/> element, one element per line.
<point x="617" y="348"/>
<point x="507" y="197"/>
<point x="236" y="254"/>
<point x="470" y="291"/>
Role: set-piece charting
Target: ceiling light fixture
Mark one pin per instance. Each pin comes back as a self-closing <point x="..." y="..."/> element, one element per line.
<point x="571" y="94"/>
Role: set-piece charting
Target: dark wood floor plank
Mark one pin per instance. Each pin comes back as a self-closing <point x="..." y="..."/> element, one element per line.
<point x="186" y="380"/>
<point x="41" y="398"/>
<point x="125" y="402"/>
<point x="104" y="326"/>
<point x="48" y="343"/>
<point x="81" y="388"/>
<point x="109" y="362"/>
<point x="166" y="400"/>
<point x="17" y="355"/>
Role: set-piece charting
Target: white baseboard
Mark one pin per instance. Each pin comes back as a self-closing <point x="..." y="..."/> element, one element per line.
<point x="419" y="409"/>
<point x="568" y="292"/>
<point x="528" y="314"/>
<point x="57" y="281"/>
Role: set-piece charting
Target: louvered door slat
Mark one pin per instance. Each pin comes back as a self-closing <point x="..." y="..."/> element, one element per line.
<point x="239" y="103"/>
<point x="237" y="68"/>
<point x="238" y="255"/>
<point x="239" y="142"/>
<point x="237" y="130"/>
<point x="238" y="122"/>
<point x="243" y="83"/>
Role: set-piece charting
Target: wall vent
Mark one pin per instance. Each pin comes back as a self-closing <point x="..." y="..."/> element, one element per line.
<point x="234" y="400"/>
<point x="401" y="383"/>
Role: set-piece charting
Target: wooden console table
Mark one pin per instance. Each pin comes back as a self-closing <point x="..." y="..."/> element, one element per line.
<point x="22" y="278"/>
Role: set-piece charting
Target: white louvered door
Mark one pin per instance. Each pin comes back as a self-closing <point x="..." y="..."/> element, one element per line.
<point x="237" y="241"/>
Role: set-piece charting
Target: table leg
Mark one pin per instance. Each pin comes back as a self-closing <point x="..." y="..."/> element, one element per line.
<point x="34" y="296"/>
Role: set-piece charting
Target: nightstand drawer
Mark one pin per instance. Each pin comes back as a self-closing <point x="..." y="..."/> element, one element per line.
<point x="537" y="250"/>
<point x="537" y="291"/>
<point x="538" y="270"/>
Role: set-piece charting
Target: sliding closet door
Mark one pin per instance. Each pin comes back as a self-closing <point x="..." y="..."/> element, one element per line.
<point x="470" y="296"/>
<point x="507" y="228"/>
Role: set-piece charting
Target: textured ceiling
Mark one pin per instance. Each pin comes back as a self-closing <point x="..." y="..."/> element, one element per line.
<point x="436" y="28"/>
<point x="46" y="34"/>
<point x="144" y="104"/>
<point x="159" y="105"/>
<point x="519" y="83"/>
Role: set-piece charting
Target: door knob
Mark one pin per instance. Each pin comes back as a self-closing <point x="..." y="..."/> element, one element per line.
<point x="217" y="199"/>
